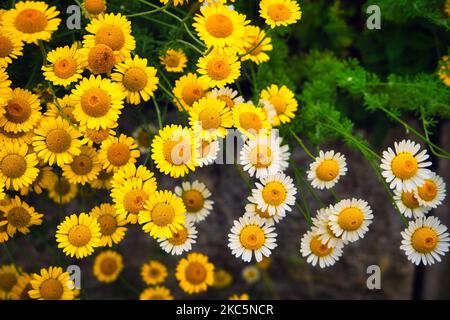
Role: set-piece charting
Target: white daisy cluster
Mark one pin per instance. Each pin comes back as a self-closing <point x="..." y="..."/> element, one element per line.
<point x="417" y="190"/>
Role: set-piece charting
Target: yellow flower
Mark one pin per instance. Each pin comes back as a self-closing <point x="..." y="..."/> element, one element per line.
<point x="107" y="266"/>
<point x="4" y="236"/>
<point x="136" y="79"/>
<point x="31" y="21"/>
<point x="22" y="287"/>
<point x="103" y="180"/>
<point x="243" y="296"/>
<point x="52" y="284"/>
<point x="222" y="279"/>
<point x="64" y="66"/>
<point x="21" y="113"/>
<point x="118" y="152"/>
<point x="5" y="87"/>
<point x="97" y="136"/>
<point x="283" y="100"/>
<point x="99" y="59"/>
<point x="78" y="235"/>
<point x="174" y="150"/>
<point x="56" y="141"/>
<point x="17" y="166"/>
<point x="94" y="7"/>
<point x="112" y="224"/>
<point x="11" y="47"/>
<point x="84" y="168"/>
<point x="156" y="293"/>
<point x="250" y="120"/>
<point x="97" y="102"/>
<point x="257" y="44"/>
<point x="444" y="70"/>
<point x="174" y="60"/>
<point x="44" y="180"/>
<point x="280" y="12"/>
<point x="163" y="214"/>
<point x="195" y="273"/>
<point x="61" y="107"/>
<point x="153" y="272"/>
<point x="210" y="117"/>
<point x="62" y="191"/>
<point x="9" y="276"/>
<point x="189" y="89"/>
<point x="219" y="69"/>
<point x="20" y="217"/>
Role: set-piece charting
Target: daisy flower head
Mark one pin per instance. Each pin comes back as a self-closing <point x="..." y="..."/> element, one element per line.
<point x="444" y="70"/>
<point x="264" y="155"/>
<point x="11" y="47"/>
<point x="350" y="219"/>
<point x="78" y="235"/>
<point x="107" y="266"/>
<point x="130" y="172"/>
<point x="274" y="193"/>
<point x="93" y="8"/>
<point x="404" y="168"/>
<point x="64" y="66"/>
<point x="84" y="167"/>
<point x="20" y="291"/>
<point x="61" y="191"/>
<point x="195" y="197"/>
<point x="156" y="293"/>
<point x="251" y="274"/>
<point x="432" y="192"/>
<point x="219" y="68"/>
<point x="279" y="12"/>
<point x="321" y="228"/>
<point x="249" y="236"/>
<point x="207" y="152"/>
<point x="112" y="224"/>
<point x="117" y="152"/>
<point x="222" y="279"/>
<point x="195" y="273"/>
<point x="284" y="102"/>
<point x="181" y="240"/>
<point x="136" y="79"/>
<point x="52" y="284"/>
<point x="327" y="169"/>
<point x="20" y="217"/>
<point x="174" y="60"/>
<point x="228" y="95"/>
<point x="316" y="252"/>
<point x="164" y="214"/>
<point x="9" y="276"/>
<point x="153" y="272"/>
<point x="257" y="44"/>
<point x="31" y="21"/>
<point x="408" y="204"/>
<point x="425" y="240"/>
<point x="189" y="89"/>
<point x="61" y="107"/>
<point x="250" y="120"/>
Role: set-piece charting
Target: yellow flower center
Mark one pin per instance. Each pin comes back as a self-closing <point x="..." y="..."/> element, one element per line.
<point x="318" y="248"/>
<point x="261" y="156"/>
<point x="18" y="110"/>
<point x="65" y="68"/>
<point x="79" y="236"/>
<point x="252" y="237"/>
<point x="279" y="103"/>
<point x="424" y="240"/>
<point x="193" y="200"/>
<point x="110" y="35"/>
<point x="404" y="166"/>
<point x="250" y="121"/>
<point x="135" y="79"/>
<point x="154" y="273"/>
<point x="179" y="237"/>
<point x="350" y="219"/>
<point x="263" y="214"/>
<point x="227" y="99"/>
<point x="134" y="200"/>
<point x="95" y="102"/>
<point x="274" y="193"/>
<point x="210" y="118"/>
<point x="101" y="59"/>
<point x="94" y="6"/>
<point x="6" y="46"/>
<point x="51" y="289"/>
<point x="177" y="152"/>
<point x="108" y="224"/>
<point x="108" y="266"/>
<point x="409" y="200"/>
<point x="192" y="93"/>
<point x="18" y="217"/>
<point x="172" y="61"/>
<point x="82" y="165"/>
<point x="7" y="281"/>
<point x="195" y="273"/>
<point x="219" y="25"/>
<point x="218" y="69"/>
<point x="428" y="191"/>
<point x="162" y="214"/>
<point x="278" y="12"/>
<point x="327" y="170"/>
<point x="13" y="166"/>
<point x="62" y="186"/>
<point x="31" y="21"/>
<point x="118" y="154"/>
<point x="58" y="141"/>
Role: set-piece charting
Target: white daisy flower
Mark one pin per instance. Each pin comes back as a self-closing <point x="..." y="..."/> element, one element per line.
<point x="228" y="95"/>
<point x="350" y="219"/>
<point x="405" y="168"/>
<point x="315" y="251"/>
<point x="264" y="156"/>
<point x="195" y="198"/>
<point x="249" y="236"/>
<point x="432" y="192"/>
<point x="408" y="205"/>
<point x="251" y="274"/>
<point x="275" y="194"/>
<point x="252" y="210"/>
<point x="327" y="169"/>
<point x="208" y="152"/>
<point x="425" y="240"/>
<point x="269" y="109"/>
<point x="321" y="228"/>
<point x="181" y="240"/>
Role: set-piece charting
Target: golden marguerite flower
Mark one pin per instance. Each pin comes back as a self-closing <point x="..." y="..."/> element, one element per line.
<point x="52" y="284"/>
<point x="112" y="224"/>
<point x="189" y="89"/>
<point x="219" y="68"/>
<point x="84" y="167"/>
<point x="20" y="217"/>
<point x="195" y="273"/>
<point x="107" y="266"/>
<point x="64" y="66"/>
<point x="11" y="47"/>
<point x="156" y="293"/>
<point x="280" y="12"/>
<point x="174" y="60"/>
<point x="116" y="152"/>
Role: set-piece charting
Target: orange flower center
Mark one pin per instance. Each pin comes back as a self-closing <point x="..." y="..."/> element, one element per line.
<point x="108" y="224"/>
<point x="134" y="200"/>
<point x="327" y="170"/>
<point x="179" y="237"/>
<point x="227" y="99"/>
<point x="13" y="166"/>
<point x="7" y="281"/>
<point x="95" y="102"/>
<point x="19" y="217"/>
<point x="18" y="110"/>
<point x="404" y="166"/>
<point x="274" y="193"/>
<point x="162" y="214"/>
<point x="279" y="103"/>
<point x="58" y="141"/>
<point x="118" y="154"/>
<point x="218" y="69"/>
<point x="95" y="6"/>
<point x="31" y="21"/>
<point x="210" y="118"/>
<point x="82" y="165"/>
<point x="192" y="93"/>
<point x="97" y="135"/>
<point x="110" y="35"/>
<point x="219" y="25"/>
<point x="350" y="219"/>
<point x="79" y="236"/>
<point x="278" y="12"/>
<point x="409" y="200"/>
<point x="424" y="240"/>
<point x="6" y="46"/>
<point x="108" y="266"/>
<point x="195" y="273"/>
<point x="172" y="61"/>
<point x="177" y="152"/>
<point x="252" y="237"/>
<point x="261" y="156"/>
<point x="193" y="200"/>
<point x="135" y="79"/>
<point x="318" y="248"/>
<point x="51" y="289"/>
<point x="65" y="68"/>
<point x="101" y="59"/>
<point x="250" y="121"/>
<point x="428" y="191"/>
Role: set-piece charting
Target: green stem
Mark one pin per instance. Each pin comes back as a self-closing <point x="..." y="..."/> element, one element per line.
<point x="129" y="286"/>
<point x="301" y="144"/>
<point x="158" y="112"/>
<point x="427" y="135"/>
<point x="190" y="45"/>
<point x="43" y="52"/>
<point x="243" y="177"/>
<point x="139" y="14"/>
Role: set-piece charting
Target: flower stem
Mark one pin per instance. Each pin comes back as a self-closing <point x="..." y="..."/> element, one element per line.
<point x="301" y="144"/>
